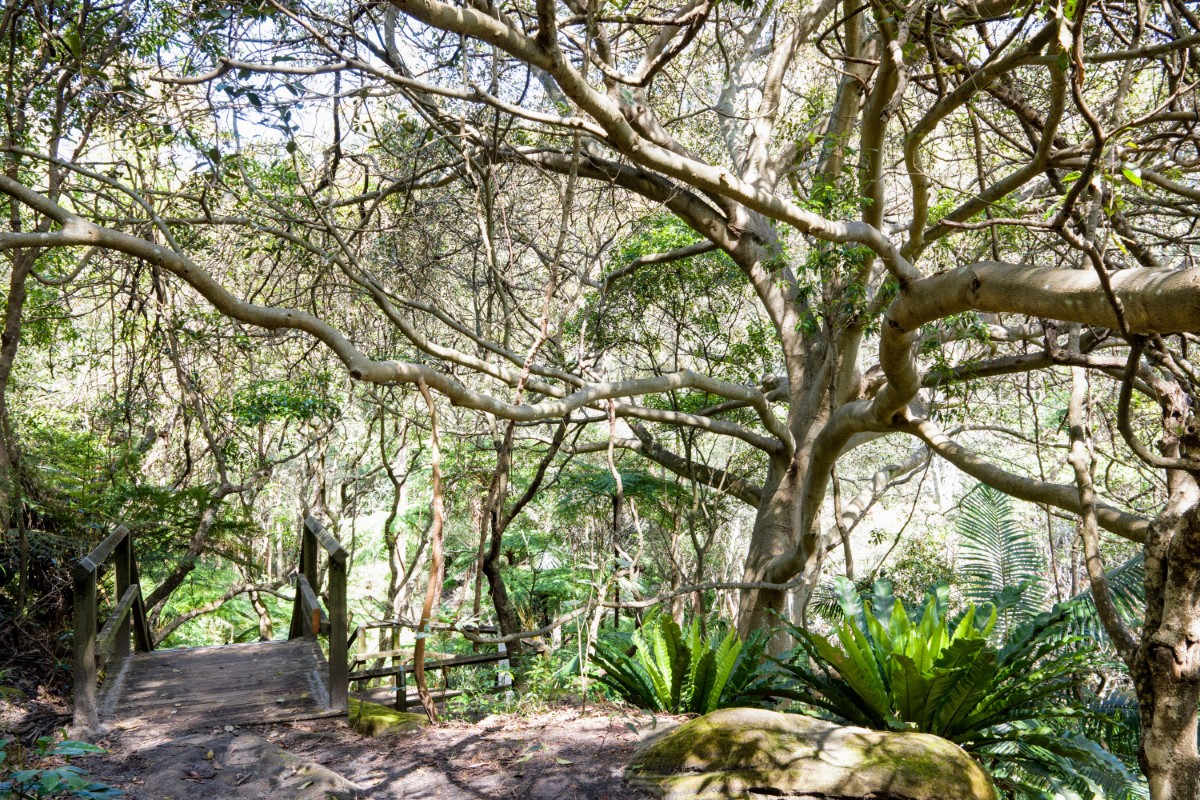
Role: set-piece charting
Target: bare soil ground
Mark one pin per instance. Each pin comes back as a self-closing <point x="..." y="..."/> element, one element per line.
<point x="29" y="713"/>
<point x="559" y="754"/>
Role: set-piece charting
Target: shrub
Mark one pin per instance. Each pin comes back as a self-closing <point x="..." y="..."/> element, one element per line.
<point x="47" y="773"/>
<point x="677" y="673"/>
<point x="1012" y="708"/>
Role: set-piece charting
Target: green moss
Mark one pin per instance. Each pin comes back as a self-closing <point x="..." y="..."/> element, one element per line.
<point x="372" y="719"/>
<point x="729" y="753"/>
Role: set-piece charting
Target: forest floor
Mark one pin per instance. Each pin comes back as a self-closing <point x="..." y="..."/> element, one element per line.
<point x="556" y="754"/>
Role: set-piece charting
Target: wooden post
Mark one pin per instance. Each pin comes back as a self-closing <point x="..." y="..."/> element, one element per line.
<point x="141" y="625"/>
<point x="296" y="629"/>
<point x="308" y="556"/>
<point x="123" y="561"/>
<point x="301" y="625"/>
<point x="85" y="649"/>
<point x="401" y="690"/>
<point x="394" y="646"/>
<point x="338" y="684"/>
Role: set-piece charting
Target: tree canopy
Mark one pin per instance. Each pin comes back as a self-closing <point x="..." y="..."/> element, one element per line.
<point x="718" y="276"/>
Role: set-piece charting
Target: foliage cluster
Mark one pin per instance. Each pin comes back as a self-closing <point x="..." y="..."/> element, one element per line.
<point x="45" y="771"/>
<point x="660" y="668"/>
<point x="1014" y="705"/>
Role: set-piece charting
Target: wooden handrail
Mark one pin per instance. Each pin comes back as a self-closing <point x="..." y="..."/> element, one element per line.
<point x="400" y="670"/>
<point x="364" y="657"/>
<point x="128" y="618"/>
<point x="309" y="618"/>
<point x="434" y="626"/>
<point x="332" y="546"/>
<point x="311" y="606"/>
<point x="401" y="658"/>
<point x="434" y="664"/>
<point x="106" y="640"/>
<point x="100" y="553"/>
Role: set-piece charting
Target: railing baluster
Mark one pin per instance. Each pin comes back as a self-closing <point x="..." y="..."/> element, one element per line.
<point x="118" y="548"/>
<point x="123" y="561"/>
<point x="338" y="685"/>
<point x="397" y="661"/>
<point x="312" y="536"/>
<point x="308" y="557"/>
<point x="85" y="648"/>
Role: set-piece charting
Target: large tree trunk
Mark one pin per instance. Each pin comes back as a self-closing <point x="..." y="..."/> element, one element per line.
<point x="821" y="373"/>
<point x="785" y="542"/>
<point x="1166" y="669"/>
<point x="774" y="531"/>
<point x="498" y="520"/>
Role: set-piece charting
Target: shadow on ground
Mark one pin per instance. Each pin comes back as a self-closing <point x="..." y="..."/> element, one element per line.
<point x="557" y="755"/>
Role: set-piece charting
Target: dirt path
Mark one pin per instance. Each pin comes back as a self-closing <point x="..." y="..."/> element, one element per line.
<point x="555" y="755"/>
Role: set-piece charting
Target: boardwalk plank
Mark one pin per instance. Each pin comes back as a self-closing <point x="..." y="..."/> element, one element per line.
<point x="225" y="685"/>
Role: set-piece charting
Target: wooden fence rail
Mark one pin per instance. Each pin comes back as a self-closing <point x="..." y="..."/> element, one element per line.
<point x="402" y="661"/>
<point x="308" y="616"/>
<point x="126" y="624"/>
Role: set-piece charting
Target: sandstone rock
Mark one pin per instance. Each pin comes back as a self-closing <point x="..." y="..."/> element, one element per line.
<point x="373" y="719"/>
<point x="743" y="753"/>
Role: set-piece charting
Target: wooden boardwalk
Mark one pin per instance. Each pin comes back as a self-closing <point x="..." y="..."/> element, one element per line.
<point x="235" y="684"/>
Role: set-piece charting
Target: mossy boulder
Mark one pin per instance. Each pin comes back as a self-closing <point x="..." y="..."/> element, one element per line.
<point x="372" y="719"/>
<point x="744" y="752"/>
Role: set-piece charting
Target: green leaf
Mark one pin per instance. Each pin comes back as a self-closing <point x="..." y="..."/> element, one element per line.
<point x="74" y="44"/>
<point x="644" y="640"/>
<point x="910" y="687"/>
<point x="857" y="666"/>
<point x="962" y="696"/>
<point x="70" y="747"/>
<point x="847" y="597"/>
<point x="725" y="658"/>
<point x="1000" y="560"/>
<point x="705" y="676"/>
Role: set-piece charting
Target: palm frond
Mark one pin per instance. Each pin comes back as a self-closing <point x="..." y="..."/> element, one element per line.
<point x="1127" y="585"/>
<point x="1000" y="561"/>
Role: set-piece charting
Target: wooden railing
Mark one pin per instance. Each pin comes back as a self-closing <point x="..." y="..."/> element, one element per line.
<point x="126" y="624"/>
<point x="402" y="661"/>
<point x="309" y="618"/>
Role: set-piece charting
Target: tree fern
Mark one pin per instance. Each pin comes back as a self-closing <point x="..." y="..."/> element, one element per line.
<point x="999" y="560"/>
